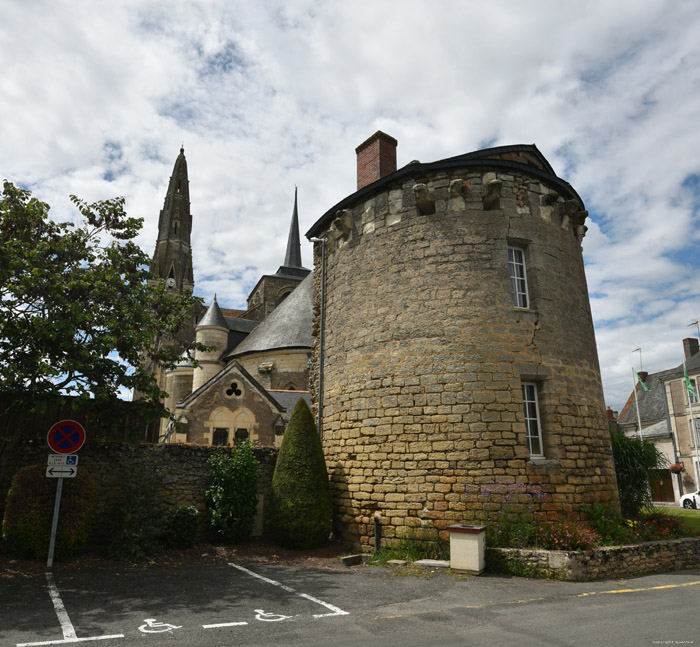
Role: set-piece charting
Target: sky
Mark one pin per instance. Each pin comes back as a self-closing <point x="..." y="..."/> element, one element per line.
<point x="97" y="98"/>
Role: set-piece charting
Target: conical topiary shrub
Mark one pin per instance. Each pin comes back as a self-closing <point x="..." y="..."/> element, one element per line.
<point x="300" y="500"/>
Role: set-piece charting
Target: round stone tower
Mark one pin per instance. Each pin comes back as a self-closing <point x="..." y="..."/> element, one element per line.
<point x="457" y="341"/>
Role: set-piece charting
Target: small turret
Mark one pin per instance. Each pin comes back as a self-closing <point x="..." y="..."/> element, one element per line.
<point x="211" y="331"/>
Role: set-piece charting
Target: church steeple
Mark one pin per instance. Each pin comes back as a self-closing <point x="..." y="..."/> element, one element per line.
<point x="293" y="256"/>
<point x="172" y="260"/>
<point x="292" y="259"/>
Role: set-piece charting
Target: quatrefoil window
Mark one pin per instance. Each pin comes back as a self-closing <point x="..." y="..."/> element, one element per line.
<point x="234" y="390"/>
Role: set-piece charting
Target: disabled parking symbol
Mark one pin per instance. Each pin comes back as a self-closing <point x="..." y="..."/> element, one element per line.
<point x="270" y="617"/>
<point x="152" y="626"/>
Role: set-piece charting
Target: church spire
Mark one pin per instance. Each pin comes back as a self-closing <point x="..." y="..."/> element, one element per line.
<point x="293" y="255"/>
<point x="172" y="260"/>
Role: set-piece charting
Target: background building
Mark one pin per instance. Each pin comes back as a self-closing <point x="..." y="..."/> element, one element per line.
<point x="247" y="384"/>
<point x="669" y="415"/>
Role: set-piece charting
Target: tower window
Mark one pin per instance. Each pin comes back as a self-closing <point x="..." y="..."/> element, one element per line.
<point x="518" y="277"/>
<point x="533" y="425"/>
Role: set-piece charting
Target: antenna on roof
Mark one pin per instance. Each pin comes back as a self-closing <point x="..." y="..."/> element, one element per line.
<point x="696" y="324"/>
<point x="641" y="366"/>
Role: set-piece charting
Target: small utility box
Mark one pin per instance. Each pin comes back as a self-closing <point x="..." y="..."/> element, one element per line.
<point x="467" y="544"/>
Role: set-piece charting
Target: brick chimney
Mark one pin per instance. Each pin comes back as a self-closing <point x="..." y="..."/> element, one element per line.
<point x="690" y="347"/>
<point x="643" y="375"/>
<point x="376" y="157"/>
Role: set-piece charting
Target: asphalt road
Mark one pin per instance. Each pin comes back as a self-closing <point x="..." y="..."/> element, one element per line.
<point x="285" y="605"/>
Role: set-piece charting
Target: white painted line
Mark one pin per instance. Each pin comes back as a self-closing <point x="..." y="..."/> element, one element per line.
<point x="69" y="636"/>
<point x="63" y="619"/>
<point x="224" y="624"/>
<point x="335" y="610"/>
<point x="69" y="641"/>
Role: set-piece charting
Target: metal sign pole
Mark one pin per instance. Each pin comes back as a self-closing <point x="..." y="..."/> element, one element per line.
<point x="54" y="523"/>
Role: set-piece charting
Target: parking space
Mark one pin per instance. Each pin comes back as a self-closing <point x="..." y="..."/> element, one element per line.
<point x="176" y="605"/>
<point x="294" y="605"/>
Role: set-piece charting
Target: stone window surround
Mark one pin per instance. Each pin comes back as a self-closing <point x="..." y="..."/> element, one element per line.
<point x="224" y="418"/>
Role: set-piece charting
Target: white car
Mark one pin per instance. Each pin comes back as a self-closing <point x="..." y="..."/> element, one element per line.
<point x="691" y="500"/>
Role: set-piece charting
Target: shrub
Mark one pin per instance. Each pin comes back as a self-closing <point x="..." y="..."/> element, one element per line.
<point x="137" y="520"/>
<point x="232" y="496"/>
<point x="609" y="525"/>
<point x="181" y="527"/>
<point x="635" y="462"/>
<point x="29" y="512"/>
<point x="300" y="501"/>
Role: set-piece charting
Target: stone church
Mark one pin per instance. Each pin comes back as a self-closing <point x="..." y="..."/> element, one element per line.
<point x="452" y="348"/>
<point x="257" y="369"/>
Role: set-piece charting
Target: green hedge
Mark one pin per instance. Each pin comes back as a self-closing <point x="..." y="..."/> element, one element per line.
<point x="300" y="499"/>
<point x="26" y="526"/>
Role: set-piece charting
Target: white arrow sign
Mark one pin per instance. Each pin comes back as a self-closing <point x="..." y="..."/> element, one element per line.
<point x="65" y="472"/>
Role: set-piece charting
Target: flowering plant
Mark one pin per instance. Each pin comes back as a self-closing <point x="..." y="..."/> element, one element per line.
<point x="565" y="535"/>
<point x="511" y="510"/>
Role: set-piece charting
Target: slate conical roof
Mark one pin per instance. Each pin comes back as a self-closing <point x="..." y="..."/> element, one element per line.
<point x="293" y="256"/>
<point x="213" y="317"/>
<point x="287" y="326"/>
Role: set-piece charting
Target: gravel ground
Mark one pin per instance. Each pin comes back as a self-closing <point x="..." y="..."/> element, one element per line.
<point x="258" y="550"/>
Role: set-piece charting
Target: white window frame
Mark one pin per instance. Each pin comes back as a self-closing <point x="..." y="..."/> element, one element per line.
<point x="518" y="277"/>
<point x="694" y="384"/>
<point x="533" y="421"/>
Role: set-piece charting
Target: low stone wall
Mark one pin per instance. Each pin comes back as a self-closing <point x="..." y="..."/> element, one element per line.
<point x="185" y="470"/>
<point x="607" y="562"/>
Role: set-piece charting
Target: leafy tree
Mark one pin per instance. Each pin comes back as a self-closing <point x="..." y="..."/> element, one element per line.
<point x="232" y="496"/>
<point x="635" y="462"/>
<point x="300" y="502"/>
<point x="79" y="311"/>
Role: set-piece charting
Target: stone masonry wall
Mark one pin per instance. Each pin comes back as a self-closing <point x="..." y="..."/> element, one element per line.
<point x="608" y="562"/>
<point x="425" y="353"/>
<point x="185" y="467"/>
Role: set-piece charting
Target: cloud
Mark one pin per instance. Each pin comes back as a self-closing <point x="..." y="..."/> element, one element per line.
<point x="98" y="100"/>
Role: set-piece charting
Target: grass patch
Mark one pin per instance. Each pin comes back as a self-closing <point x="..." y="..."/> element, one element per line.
<point x="412" y="549"/>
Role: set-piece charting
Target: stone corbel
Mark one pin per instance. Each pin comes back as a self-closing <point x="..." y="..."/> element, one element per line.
<point x="424" y="201"/>
<point x="571" y="211"/>
<point x="342" y="225"/>
<point x="492" y="192"/>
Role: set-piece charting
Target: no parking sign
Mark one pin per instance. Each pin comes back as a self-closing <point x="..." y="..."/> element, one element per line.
<point x="66" y="437"/>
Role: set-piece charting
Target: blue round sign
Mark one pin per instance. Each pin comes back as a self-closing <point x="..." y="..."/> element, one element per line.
<point x="66" y="437"/>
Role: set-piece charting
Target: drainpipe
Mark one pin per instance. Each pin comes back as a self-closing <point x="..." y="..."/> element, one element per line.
<point x="322" y="329"/>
